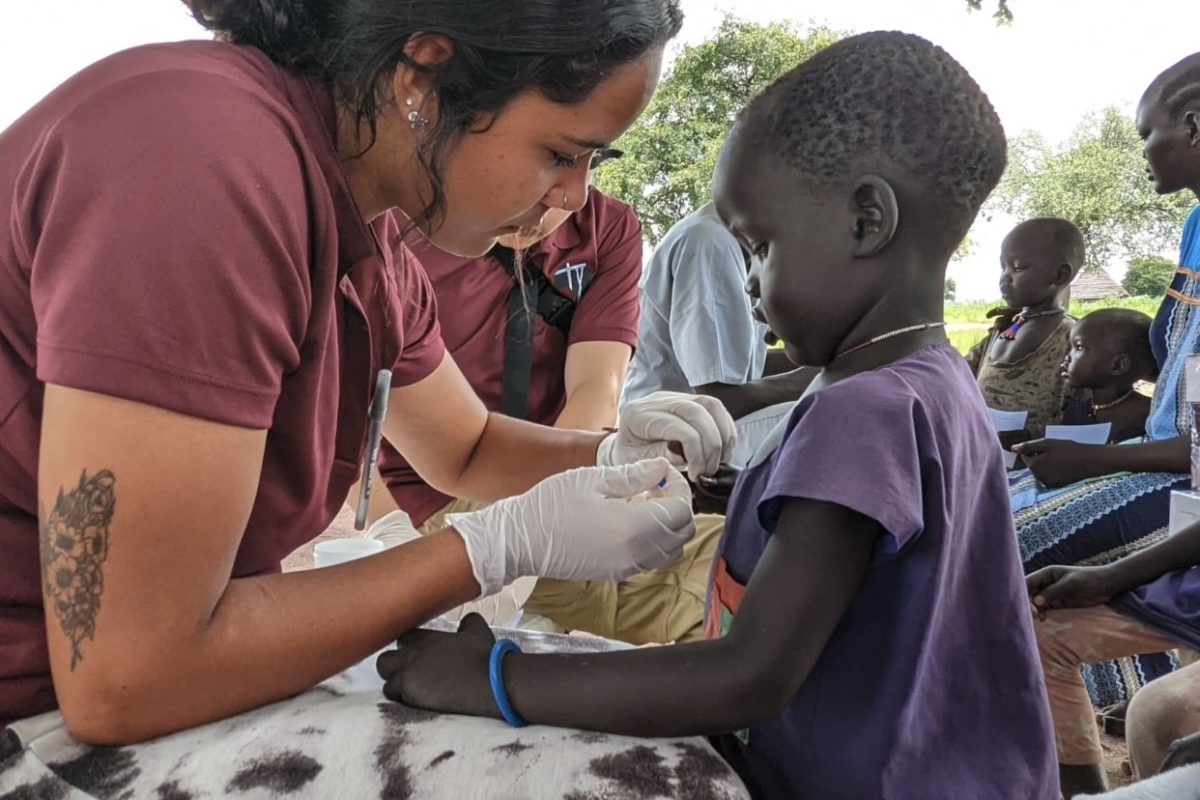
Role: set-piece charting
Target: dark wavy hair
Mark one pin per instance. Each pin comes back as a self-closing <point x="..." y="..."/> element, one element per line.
<point x="561" y="48"/>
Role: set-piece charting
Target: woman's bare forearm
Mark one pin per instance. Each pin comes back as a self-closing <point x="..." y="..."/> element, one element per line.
<point x="512" y="455"/>
<point x="590" y="407"/>
<point x="268" y="638"/>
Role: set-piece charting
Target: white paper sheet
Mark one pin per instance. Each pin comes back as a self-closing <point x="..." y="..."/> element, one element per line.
<point x="1084" y="434"/>
<point x="1008" y="421"/>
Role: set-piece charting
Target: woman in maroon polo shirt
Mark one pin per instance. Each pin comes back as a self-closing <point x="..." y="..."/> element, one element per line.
<point x="197" y="290"/>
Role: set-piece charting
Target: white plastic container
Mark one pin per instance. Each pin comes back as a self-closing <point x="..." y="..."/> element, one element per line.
<point x="1185" y="510"/>
<point x="339" y="551"/>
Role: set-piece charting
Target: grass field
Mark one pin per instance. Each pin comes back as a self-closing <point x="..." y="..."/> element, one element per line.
<point x="967" y="323"/>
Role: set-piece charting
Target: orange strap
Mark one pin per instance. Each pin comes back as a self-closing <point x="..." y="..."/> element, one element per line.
<point x="1183" y="298"/>
<point x="726" y="597"/>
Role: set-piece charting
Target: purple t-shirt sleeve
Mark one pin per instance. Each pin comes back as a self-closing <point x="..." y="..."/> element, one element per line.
<point x="878" y="477"/>
<point x="172" y="258"/>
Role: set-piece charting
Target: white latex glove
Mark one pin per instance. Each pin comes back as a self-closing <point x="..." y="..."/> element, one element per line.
<point x="700" y="424"/>
<point x="394" y="529"/>
<point x="579" y="525"/>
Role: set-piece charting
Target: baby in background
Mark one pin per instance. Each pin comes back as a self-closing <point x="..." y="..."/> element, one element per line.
<point x="1110" y="353"/>
<point x="1019" y="365"/>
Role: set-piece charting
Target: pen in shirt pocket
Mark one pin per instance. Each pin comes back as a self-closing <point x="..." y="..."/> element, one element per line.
<point x="383" y="386"/>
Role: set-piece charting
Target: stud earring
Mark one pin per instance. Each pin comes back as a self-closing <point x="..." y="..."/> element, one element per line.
<point x="415" y="120"/>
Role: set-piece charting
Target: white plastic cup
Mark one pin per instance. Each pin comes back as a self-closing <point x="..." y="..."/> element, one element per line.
<point x="339" y="551"/>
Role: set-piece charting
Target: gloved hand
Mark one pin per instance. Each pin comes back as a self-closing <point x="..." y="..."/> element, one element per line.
<point x="699" y="424"/>
<point x="501" y="608"/>
<point x="580" y="525"/>
<point x="394" y="529"/>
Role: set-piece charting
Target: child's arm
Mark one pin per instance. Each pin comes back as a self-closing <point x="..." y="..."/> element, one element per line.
<point x="1010" y="439"/>
<point x="1059" y="463"/>
<point x="1179" y="551"/>
<point x="804" y="583"/>
<point x="1082" y="587"/>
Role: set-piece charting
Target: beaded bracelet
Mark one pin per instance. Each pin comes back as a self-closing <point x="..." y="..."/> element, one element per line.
<point x="500" y="649"/>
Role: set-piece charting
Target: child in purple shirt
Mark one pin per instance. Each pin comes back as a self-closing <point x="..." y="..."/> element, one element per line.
<point x="874" y="635"/>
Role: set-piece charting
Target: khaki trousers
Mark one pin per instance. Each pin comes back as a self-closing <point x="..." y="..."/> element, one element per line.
<point x="664" y="605"/>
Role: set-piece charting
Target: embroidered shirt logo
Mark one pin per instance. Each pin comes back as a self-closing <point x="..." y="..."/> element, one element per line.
<point x="573" y="278"/>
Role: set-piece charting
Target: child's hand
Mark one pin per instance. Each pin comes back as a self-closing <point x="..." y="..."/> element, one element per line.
<point x="1071" y="587"/>
<point x="1010" y="439"/>
<point x="710" y="493"/>
<point x="1182" y="752"/>
<point x="1056" y="462"/>
<point x="442" y="671"/>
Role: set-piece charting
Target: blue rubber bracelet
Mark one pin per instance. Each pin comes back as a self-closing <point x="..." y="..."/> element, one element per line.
<point x="500" y="649"/>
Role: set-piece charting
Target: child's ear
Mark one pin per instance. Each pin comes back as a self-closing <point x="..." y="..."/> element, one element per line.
<point x="875" y="214"/>
<point x="1121" y="364"/>
<point x="1062" y="277"/>
<point x="1192" y="120"/>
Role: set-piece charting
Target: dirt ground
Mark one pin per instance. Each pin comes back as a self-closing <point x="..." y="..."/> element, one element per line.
<point x="1116" y="761"/>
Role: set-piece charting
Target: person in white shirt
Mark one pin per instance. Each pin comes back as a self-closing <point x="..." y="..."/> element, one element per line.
<point x="698" y="331"/>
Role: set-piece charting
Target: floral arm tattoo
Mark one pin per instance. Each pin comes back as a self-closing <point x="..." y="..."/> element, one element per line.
<point x="74" y="546"/>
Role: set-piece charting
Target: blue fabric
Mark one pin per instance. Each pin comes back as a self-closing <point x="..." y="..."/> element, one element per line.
<point x="1091" y="522"/>
<point x="1175" y="335"/>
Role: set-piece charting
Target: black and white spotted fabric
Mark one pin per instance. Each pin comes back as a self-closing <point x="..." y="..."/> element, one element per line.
<point x="345" y="740"/>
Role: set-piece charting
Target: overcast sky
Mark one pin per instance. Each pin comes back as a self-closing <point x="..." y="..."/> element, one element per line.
<point x="1058" y="61"/>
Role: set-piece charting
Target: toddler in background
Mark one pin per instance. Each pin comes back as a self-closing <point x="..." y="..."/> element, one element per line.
<point x="1019" y="364"/>
<point x="1110" y="353"/>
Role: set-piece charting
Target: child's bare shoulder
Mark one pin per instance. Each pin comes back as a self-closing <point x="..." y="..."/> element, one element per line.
<point x="1034" y="335"/>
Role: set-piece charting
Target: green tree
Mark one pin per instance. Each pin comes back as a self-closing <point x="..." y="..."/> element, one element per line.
<point x="1097" y="179"/>
<point x="672" y="150"/>
<point x="965" y="249"/>
<point x="951" y="292"/>
<point x="1148" y="276"/>
<point x="1003" y="13"/>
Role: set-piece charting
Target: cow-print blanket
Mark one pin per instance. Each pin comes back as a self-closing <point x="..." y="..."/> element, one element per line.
<point x="345" y="740"/>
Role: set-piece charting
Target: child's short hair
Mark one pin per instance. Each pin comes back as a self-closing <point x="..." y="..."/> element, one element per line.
<point x="1060" y="234"/>
<point x="1179" y="86"/>
<point x="889" y="99"/>
<point x="1131" y="331"/>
